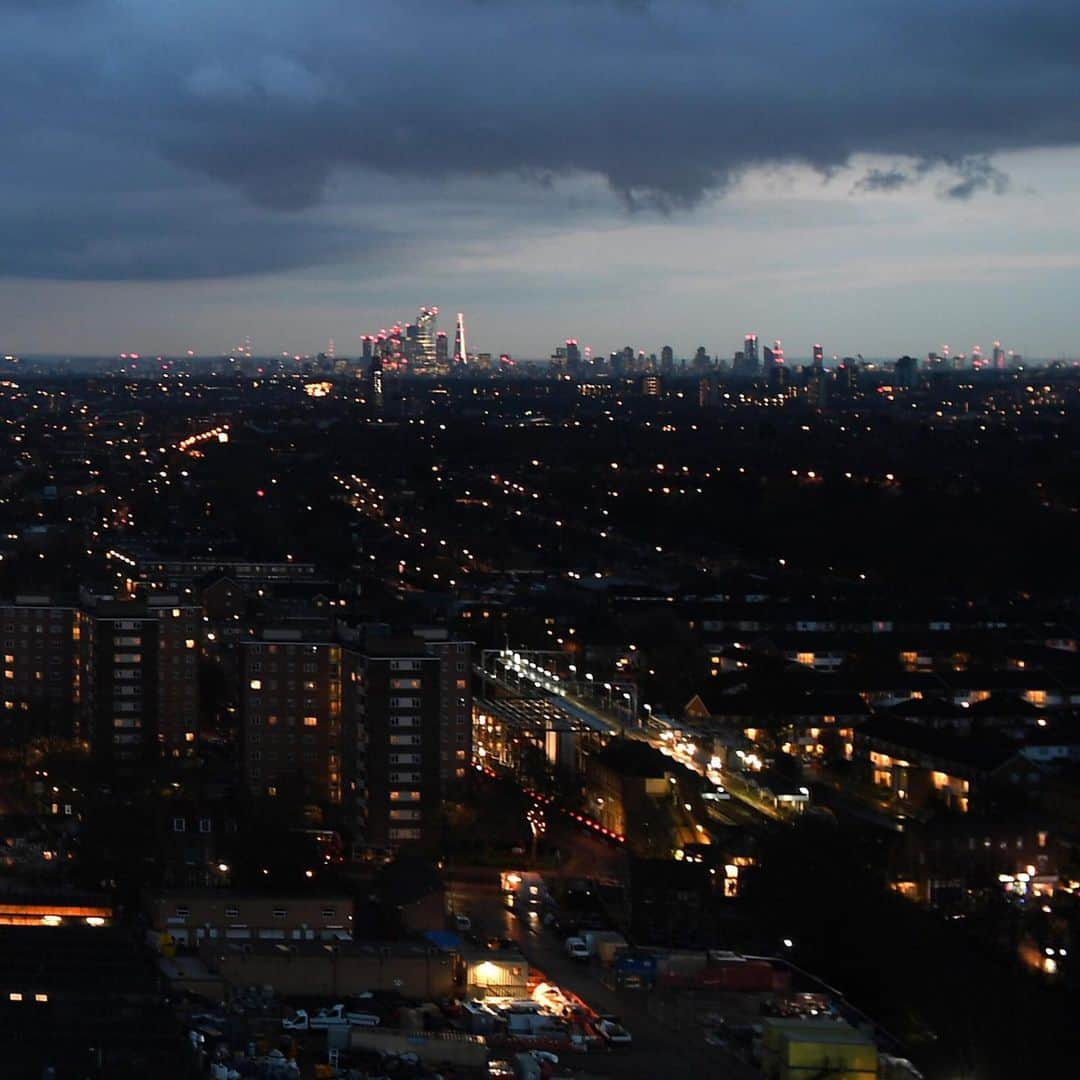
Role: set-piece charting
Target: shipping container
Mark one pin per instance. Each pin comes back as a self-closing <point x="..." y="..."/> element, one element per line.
<point x="800" y="1048"/>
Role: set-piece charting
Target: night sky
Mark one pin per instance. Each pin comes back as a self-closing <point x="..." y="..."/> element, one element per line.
<point x="883" y="177"/>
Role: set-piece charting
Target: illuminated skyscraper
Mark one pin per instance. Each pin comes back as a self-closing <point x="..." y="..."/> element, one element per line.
<point x="461" y="355"/>
<point x="819" y="356"/>
<point x="442" y="351"/>
<point x="750" y="354"/>
<point x="377" y="381"/>
<point x="999" y="357"/>
<point x="368" y="345"/>
<point x="425" y="334"/>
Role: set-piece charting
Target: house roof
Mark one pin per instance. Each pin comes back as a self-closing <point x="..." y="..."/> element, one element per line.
<point x="982" y="751"/>
<point x="1000" y="703"/>
<point x="934" y="708"/>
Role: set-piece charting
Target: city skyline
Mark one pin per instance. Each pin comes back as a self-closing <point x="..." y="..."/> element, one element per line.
<point x="422" y="327"/>
<point x="235" y="181"/>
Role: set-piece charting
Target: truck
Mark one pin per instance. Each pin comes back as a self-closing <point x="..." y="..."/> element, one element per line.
<point x="334" y="1017"/>
<point x="534" y="1024"/>
<point x="604" y="944"/>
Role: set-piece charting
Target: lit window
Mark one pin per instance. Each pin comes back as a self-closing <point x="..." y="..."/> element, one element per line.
<point x="311" y="721"/>
<point x="255" y="684"/>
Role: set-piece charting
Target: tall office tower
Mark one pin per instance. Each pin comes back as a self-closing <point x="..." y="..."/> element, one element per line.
<point x="573" y="356"/>
<point x="377" y="381"/>
<point x="442" y="352"/>
<point x="426" y="336"/>
<point x="778" y="353"/>
<point x="667" y="360"/>
<point x="819" y="356"/>
<point x="847" y="375"/>
<point x="817" y="387"/>
<point x="998" y="357"/>
<point x="768" y="361"/>
<point x="905" y="372"/>
<point x="290" y="714"/>
<point x="461" y="355"/>
<point x="42" y="672"/>
<point x="702" y="361"/>
<point x="367" y="346"/>
<point x="750" y="354"/>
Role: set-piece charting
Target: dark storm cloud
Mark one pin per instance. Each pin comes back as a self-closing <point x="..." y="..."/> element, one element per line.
<point x="80" y="246"/>
<point x="884" y="180"/>
<point x="667" y="101"/>
<point x="973" y="175"/>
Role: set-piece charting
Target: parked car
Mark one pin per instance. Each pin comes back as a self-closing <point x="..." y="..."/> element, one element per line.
<point x="576" y="948"/>
<point x="612" y="1032"/>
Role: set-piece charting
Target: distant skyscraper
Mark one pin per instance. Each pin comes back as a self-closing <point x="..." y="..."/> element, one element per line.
<point x="573" y="356"/>
<point x="442" y="351"/>
<point x="999" y="357"/>
<point x="425" y="336"/>
<point x="377" y="381"/>
<point x="461" y="355"/>
<point x="667" y="360"/>
<point x="819" y="356"/>
<point x="750" y="354"/>
<point x="368" y="345"/>
<point x="905" y="372"/>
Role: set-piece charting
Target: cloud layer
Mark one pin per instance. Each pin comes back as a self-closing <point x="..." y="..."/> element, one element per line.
<point x="153" y="139"/>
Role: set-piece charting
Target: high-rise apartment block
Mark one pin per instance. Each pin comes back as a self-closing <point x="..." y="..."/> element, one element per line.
<point x="42" y="676"/>
<point x="374" y="732"/>
<point x="118" y="674"/>
<point x="291" y="703"/>
<point x="139" y="678"/>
